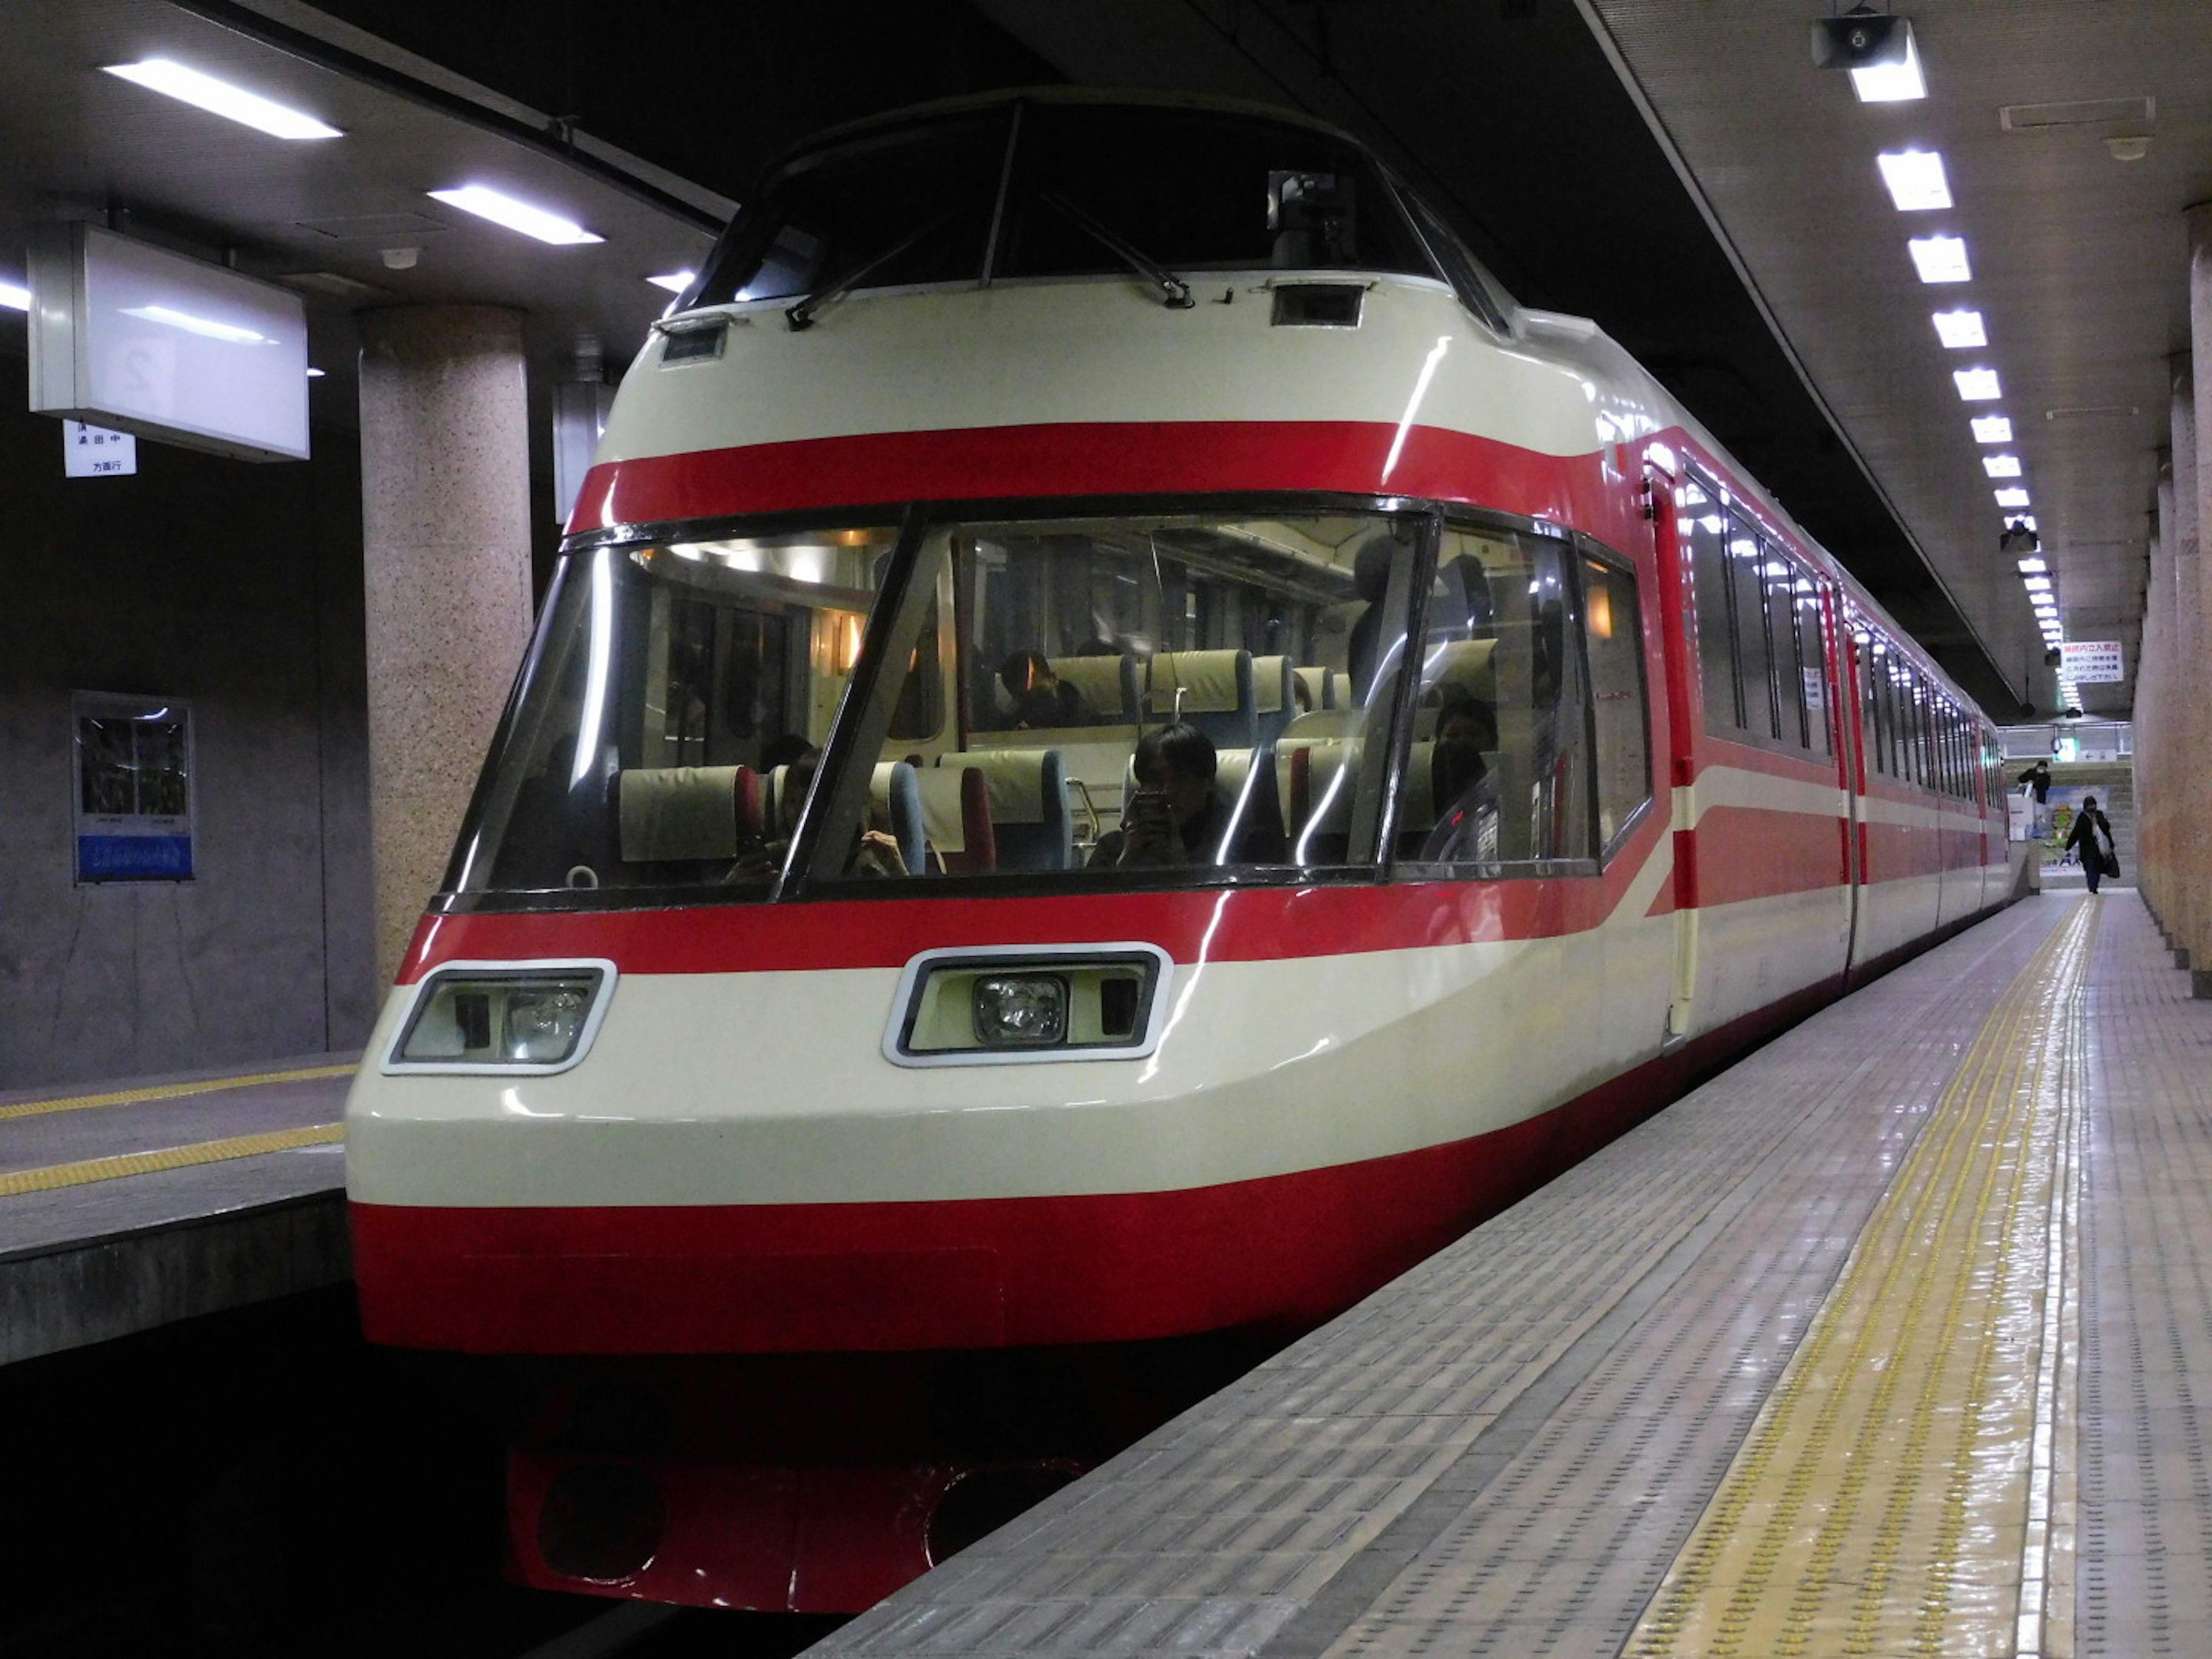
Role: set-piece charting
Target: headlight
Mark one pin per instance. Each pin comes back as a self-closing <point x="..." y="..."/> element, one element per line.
<point x="473" y="1016"/>
<point x="1020" y="1010"/>
<point x="987" y="1005"/>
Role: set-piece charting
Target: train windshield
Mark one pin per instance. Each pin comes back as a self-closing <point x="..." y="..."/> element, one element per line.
<point x="1070" y="190"/>
<point x="1160" y="698"/>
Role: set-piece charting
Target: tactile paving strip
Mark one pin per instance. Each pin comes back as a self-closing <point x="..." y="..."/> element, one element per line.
<point x="1500" y="1452"/>
<point x="1897" y="1494"/>
<point x="2145" y="1566"/>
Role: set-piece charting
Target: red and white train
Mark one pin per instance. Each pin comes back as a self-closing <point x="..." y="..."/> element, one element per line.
<point x="832" y="1143"/>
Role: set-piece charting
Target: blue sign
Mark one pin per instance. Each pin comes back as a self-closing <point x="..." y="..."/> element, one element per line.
<point x="134" y="858"/>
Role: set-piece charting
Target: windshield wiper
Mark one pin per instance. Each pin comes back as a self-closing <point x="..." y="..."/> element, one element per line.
<point x="801" y="316"/>
<point x="1174" y="290"/>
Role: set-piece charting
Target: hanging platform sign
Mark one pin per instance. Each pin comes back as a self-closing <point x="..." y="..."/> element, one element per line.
<point x="2091" y="662"/>
<point x="93" y="451"/>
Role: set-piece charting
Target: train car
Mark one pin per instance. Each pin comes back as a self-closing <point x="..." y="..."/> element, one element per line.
<point x="1123" y="745"/>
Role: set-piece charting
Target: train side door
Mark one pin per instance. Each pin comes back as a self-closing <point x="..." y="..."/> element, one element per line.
<point x="1678" y="619"/>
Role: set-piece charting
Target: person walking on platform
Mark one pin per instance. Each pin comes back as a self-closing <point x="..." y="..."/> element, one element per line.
<point x="2036" y="783"/>
<point x="2093" y="833"/>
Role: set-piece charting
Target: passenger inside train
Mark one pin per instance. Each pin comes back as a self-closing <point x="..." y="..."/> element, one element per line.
<point x="990" y="698"/>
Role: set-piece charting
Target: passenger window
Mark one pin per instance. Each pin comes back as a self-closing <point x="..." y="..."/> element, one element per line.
<point x="1811" y="656"/>
<point x="1621" y="721"/>
<point x="1781" y="648"/>
<point x="1705" y="533"/>
<point x="1168" y="694"/>
<point x="1748" y="586"/>
<point x="1498" y="773"/>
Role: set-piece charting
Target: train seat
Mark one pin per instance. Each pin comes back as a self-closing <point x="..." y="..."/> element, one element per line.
<point x="686" y="814"/>
<point x="1211" y="690"/>
<point x="955" y="802"/>
<point x="1274" y="698"/>
<point x="895" y="803"/>
<point x="1315" y="777"/>
<point x="1022" y="815"/>
<point x="1107" y="686"/>
<point x="1320" y="687"/>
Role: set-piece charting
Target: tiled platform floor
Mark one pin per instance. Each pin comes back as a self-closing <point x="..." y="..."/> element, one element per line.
<point x="129" y="1203"/>
<point x="1507" y="1450"/>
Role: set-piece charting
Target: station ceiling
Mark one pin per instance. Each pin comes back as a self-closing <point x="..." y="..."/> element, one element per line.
<point x="1680" y="171"/>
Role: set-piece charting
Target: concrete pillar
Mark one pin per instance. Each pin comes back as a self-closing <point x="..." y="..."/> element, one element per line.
<point x="2192" y="486"/>
<point x="2154" y="712"/>
<point x="445" y="479"/>
<point x="2186" y="684"/>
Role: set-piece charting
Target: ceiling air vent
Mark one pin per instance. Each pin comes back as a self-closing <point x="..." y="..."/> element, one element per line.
<point x="2081" y="113"/>
<point x="1318" y="304"/>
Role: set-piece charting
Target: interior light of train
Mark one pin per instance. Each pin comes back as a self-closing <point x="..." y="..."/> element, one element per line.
<point x="2011" y="497"/>
<point x="1915" y="179"/>
<point x="674" y="281"/>
<point x="1976" y="385"/>
<point x="2001" y="466"/>
<point x="1940" y="259"/>
<point x="1992" y="429"/>
<point x="15" y="298"/>
<point x="221" y="98"/>
<point x="504" y="210"/>
<point x="1892" y="83"/>
<point x="1959" y="329"/>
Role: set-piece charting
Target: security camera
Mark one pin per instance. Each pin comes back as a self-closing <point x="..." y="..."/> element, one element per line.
<point x="2016" y="539"/>
<point x="2053" y="657"/>
<point x="1860" y="39"/>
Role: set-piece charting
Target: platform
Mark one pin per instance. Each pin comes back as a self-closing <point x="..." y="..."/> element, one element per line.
<point x="131" y="1204"/>
<point x="1886" y="1342"/>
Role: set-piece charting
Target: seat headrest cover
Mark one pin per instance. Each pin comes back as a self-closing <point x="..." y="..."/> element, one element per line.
<point x="1210" y="680"/>
<point x="678" y="812"/>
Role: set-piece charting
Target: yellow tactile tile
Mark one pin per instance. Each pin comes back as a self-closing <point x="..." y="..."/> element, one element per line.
<point x="1907" y="1489"/>
<point x="169" y="1157"/>
<point x="168" y="1092"/>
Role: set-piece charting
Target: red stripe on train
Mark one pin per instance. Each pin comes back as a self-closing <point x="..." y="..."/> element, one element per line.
<point x="976" y="1274"/>
<point x="1112" y="459"/>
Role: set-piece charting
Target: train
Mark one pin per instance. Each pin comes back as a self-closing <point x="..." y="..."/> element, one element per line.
<point x="1123" y="744"/>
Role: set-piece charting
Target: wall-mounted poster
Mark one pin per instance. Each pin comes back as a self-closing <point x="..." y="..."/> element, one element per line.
<point x="134" y="788"/>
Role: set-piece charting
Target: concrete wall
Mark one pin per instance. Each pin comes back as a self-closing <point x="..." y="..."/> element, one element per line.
<point x="237" y="588"/>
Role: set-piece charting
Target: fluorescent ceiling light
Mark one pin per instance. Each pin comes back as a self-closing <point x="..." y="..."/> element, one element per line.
<point x="2001" y="466"/>
<point x="1992" y="429"/>
<point x="1916" y="181"/>
<point x="2036" y="584"/>
<point x="501" y="209"/>
<point x="1977" y="386"/>
<point x="1960" y="330"/>
<point x="221" y="98"/>
<point x="1892" y="83"/>
<point x="15" y="299"/>
<point x="675" y="281"/>
<point x="2046" y="610"/>
<point x="2054" y="633"/>
<point x="2012" y="497"/>
<point x="205" y="326"/>
<point x="1940" y="259"/>
<point x="2033" y="567"/>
